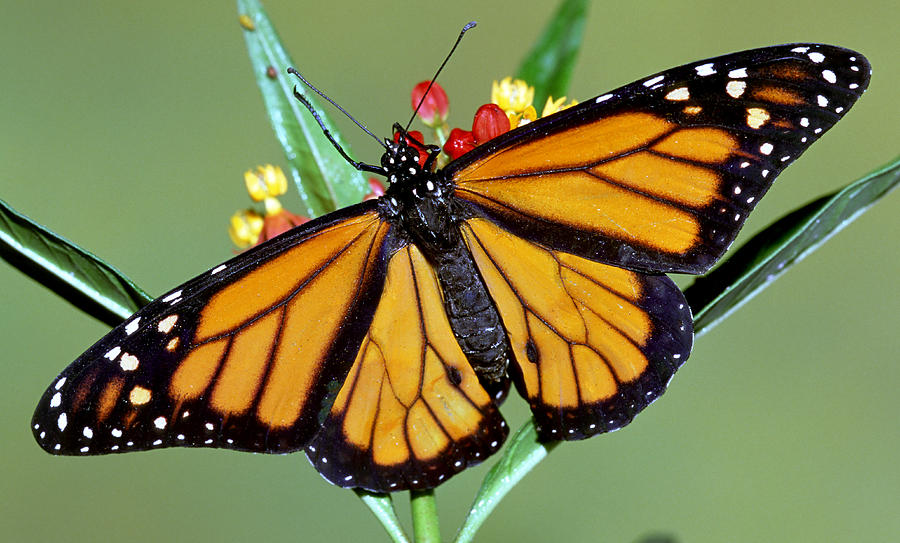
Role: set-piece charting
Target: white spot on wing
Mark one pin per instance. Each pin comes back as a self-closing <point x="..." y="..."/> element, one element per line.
<point x="603" y="98"/>
<point x="654" y="81"/>
<point x="735" y="88"/>
<point x="816" y="57"/>
<point x="160" y="422"/>
<point x="829" y="76"/>
<point x="165" y="326"/>
<point x="766" y="148"/>
<point x="62" y="421"/>
<point x="800" y="49"/>
<point x="822" y="101"/>
<point x="60" y="383"/>
<point x="129" y="362"/>
<point x="56" y="400"/>
<point x="132" y="326"/>
<point x="737" y="74"/>
<point x="681" y="93"/>
<point x="705" y="69"/>
<point x="113" y="353"/>
<point x="217" y="269"/>
<point x="804" y="122"/>
<point x="116" y="432"/>
<point x="88" y="433"/>
<point x="173" y="296"/>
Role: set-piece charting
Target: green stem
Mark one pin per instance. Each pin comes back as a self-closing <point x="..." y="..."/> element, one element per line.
<point x="382" y="506"/>
<point x="424" y="516"/>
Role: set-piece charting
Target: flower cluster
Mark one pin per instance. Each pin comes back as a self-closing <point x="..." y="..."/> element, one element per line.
<point x="248" y="226"/>
<point x="510" y="107"/>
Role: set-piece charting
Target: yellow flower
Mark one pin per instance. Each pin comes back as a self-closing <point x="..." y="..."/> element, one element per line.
<point x="521" y="119"/>
<point x="512" y="96"/>
<point x="553" y="106"/>
<point x="245" y="228"/>
<point x="265" y="182"/>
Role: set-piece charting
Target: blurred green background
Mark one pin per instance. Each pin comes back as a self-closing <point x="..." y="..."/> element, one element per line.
<point x="127" y="126"/>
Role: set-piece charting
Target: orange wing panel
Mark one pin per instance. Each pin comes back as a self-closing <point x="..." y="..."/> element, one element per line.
<point x="412" y="411"/>
<point x="592" y="344"/>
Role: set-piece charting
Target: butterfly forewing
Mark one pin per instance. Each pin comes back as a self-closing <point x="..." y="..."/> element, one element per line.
<point x="660" y="175"/>
<point x="240" y="357"/>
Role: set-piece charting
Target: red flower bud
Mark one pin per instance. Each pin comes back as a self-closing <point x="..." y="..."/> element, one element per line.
<point x="459" y="143"/>
<point x="435" y="107"/>
<point x="490" y="121"/>
<point x="377" y="189"/>
<point x="280" y="223"/>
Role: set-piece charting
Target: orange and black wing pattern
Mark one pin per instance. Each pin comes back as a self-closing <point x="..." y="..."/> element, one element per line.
<point x="412" y="412"/>
<point x="592" y="344"/>
<point x="659" y="175"/>
<point x="242" y="357"/>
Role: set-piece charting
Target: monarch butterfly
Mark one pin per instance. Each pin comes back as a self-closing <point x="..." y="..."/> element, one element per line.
<point x="381" y="338"/>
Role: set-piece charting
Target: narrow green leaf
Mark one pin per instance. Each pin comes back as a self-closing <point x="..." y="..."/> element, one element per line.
<point x="382" y="506"/>
<point x="521" y="454"/>
<point x="770" y="253"/>
<point x="424" y="516"/>
<point x="324" y="179"/>
<point x="548" y="66"/>
<point x="87" y="282"/>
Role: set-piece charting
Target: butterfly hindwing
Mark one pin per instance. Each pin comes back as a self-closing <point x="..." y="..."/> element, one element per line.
<point x="240" y="357"/>
<point x="412" y="411"/>
<point x="592" y="344"/>
<point x="659" y="175"/>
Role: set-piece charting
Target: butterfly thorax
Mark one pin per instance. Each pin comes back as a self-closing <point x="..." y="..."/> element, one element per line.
<point x="418" y="200"/>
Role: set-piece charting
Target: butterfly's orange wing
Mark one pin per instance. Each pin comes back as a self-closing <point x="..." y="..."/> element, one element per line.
<point x="660" y="175"/>
<point x="412" y="412"/>
<point x="566" y="215"/>
<point x="592" y="344"/>
<point x="241" y="357"/>
<point x="255" y="355"/>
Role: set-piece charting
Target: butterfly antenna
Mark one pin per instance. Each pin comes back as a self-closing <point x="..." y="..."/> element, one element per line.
<point x="359" y="165"/>
<point x="470" y="25"/>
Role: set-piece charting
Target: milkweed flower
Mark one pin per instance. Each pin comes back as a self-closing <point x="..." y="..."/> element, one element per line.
<point x="435" y="108"/>
<point x="248" y="227"/>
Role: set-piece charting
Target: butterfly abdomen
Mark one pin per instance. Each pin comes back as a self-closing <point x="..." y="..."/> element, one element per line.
<point x="473" y="317"/>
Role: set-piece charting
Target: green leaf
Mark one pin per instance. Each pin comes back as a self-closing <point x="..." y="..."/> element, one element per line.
<point x="548" y="66"/>
<point x="382" y="506"/>
<point x="87" y="282"/>
<point x="324" y="179"/>
<point x="773" y="251"/>
<point x="521" y="454"/>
